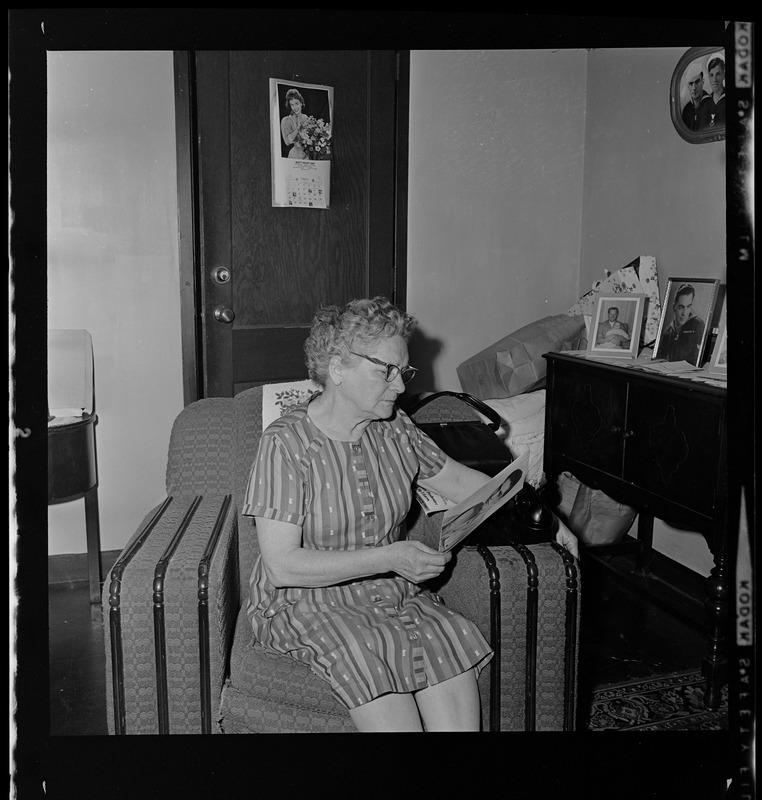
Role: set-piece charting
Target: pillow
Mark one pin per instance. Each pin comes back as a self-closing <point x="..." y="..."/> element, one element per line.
<point x="514" y="364"/>
<point x="523" y="429"/>
<point x="278" y="398"/>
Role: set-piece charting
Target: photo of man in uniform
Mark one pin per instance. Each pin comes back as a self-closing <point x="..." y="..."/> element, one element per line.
<point x="682" y="339"/>
<point x="697" y="112"/>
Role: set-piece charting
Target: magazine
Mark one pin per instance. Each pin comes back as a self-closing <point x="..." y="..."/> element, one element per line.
<point x="462" y="518"/>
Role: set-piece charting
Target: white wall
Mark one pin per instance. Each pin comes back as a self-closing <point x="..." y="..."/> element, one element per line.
<point x="649" y="192"/>
<point x="495" y="188"/>
<point x="113" y="270"/>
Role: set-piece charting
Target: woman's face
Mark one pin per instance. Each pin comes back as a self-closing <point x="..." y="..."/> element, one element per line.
<point x="296" y="105"/>
<point x="365" y="384"/>
<point x="716" y="78"/>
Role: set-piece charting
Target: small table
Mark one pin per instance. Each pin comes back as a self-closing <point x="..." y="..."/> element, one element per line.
<point x="72" y="475"/>
<point x="654" y="442"/>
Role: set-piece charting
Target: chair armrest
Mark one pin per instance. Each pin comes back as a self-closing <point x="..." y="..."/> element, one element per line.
<point x="514" y="572"/>
<point x="219" y="596"/>
<point x="201" y="454"/>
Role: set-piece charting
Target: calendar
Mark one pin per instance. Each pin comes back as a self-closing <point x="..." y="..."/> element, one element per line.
<point x="301" y="144"/>
<point x="305" y="192"/>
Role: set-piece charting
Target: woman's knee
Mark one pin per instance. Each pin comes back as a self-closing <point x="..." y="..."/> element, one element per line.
<point x="389" y="713"/>
<point x="452" y="705"/>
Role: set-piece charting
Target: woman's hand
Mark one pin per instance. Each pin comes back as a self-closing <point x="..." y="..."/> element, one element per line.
<point x="567" y="539"/>
<point x="416" y="561"/>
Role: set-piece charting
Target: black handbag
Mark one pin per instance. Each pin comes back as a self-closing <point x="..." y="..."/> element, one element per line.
<point x="453" y="421"/>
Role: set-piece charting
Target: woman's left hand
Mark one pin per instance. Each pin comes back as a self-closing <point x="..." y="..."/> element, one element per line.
<point x="567" y="539"/>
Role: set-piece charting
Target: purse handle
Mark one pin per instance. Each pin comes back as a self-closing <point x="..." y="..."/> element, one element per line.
<point x="495" y="420"/>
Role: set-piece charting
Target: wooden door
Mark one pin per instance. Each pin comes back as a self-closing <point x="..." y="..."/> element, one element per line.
<point x="282" y="263"/>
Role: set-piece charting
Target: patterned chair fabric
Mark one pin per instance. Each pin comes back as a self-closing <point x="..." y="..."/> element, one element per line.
<point x="212" y="447"/>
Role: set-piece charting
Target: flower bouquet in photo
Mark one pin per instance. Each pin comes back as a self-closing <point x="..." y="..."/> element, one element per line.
<point x="316" y="139"/>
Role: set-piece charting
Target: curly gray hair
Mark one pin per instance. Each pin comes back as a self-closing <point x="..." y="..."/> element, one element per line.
<point x="336" y="331"/>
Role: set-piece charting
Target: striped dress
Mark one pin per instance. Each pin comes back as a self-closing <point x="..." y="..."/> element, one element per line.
<point x="374" y="635"/>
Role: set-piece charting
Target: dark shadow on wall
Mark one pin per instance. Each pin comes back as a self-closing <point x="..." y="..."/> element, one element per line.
<point x="423" y="351"/>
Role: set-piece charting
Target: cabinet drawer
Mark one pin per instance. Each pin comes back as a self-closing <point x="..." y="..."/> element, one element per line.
<point x="675" y="445"/>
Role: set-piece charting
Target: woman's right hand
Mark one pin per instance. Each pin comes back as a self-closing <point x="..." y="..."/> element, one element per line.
<point x="416" y="561"/>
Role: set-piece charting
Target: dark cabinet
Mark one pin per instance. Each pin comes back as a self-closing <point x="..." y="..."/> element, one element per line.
<point x="656" y="443"/>
<point x="675" y="447"/>
<point x="660" y="444"/>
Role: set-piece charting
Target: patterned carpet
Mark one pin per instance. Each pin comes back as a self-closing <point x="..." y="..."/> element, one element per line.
<point x="669" y="703"/>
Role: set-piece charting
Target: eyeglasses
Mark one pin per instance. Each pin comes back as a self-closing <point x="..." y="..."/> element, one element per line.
<point x="392" y="370"/>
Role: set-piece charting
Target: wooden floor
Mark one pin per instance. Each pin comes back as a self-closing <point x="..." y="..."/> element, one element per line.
<point x="623" y="636"/>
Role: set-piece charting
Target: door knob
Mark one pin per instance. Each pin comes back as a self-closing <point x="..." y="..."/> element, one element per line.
<point x="222" y="314"/>
<point x="220" y="275"/>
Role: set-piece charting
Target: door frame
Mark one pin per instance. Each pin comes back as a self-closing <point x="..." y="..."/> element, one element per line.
<point x="189" y="246"/>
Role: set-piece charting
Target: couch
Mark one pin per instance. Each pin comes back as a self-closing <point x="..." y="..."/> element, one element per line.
<point x="249" y="690"/>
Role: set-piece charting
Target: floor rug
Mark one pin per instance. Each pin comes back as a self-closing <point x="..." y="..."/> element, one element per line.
<point x="669" y="703"/>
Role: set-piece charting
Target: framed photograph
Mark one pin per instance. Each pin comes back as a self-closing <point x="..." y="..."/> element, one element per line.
<point x="684" y="327"/>
<point x="697" y="95"/>
<point x="718" y="361"/>
<point x="616" y="323"/>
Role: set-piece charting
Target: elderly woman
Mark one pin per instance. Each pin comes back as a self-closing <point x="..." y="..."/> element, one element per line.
<point x="335" y="586"/>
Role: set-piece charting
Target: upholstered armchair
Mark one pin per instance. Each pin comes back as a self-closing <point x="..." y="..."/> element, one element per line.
<point x="193" y="665"/>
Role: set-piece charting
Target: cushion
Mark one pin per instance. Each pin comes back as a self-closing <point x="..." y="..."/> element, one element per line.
<point x="523" y="429"/>
<point x="271" y="693"/>
<point x="515" y="364"/>
<point x="278" y="398"/>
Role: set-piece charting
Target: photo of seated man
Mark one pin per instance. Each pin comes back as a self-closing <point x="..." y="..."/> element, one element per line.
<point x="613" y="334"/>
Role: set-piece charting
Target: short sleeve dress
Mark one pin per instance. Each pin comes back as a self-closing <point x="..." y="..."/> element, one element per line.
<point x="370" y="636"/>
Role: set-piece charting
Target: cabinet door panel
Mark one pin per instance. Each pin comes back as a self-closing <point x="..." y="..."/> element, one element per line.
<point x="675" y="448"/>
<point x="588" y="420"/>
